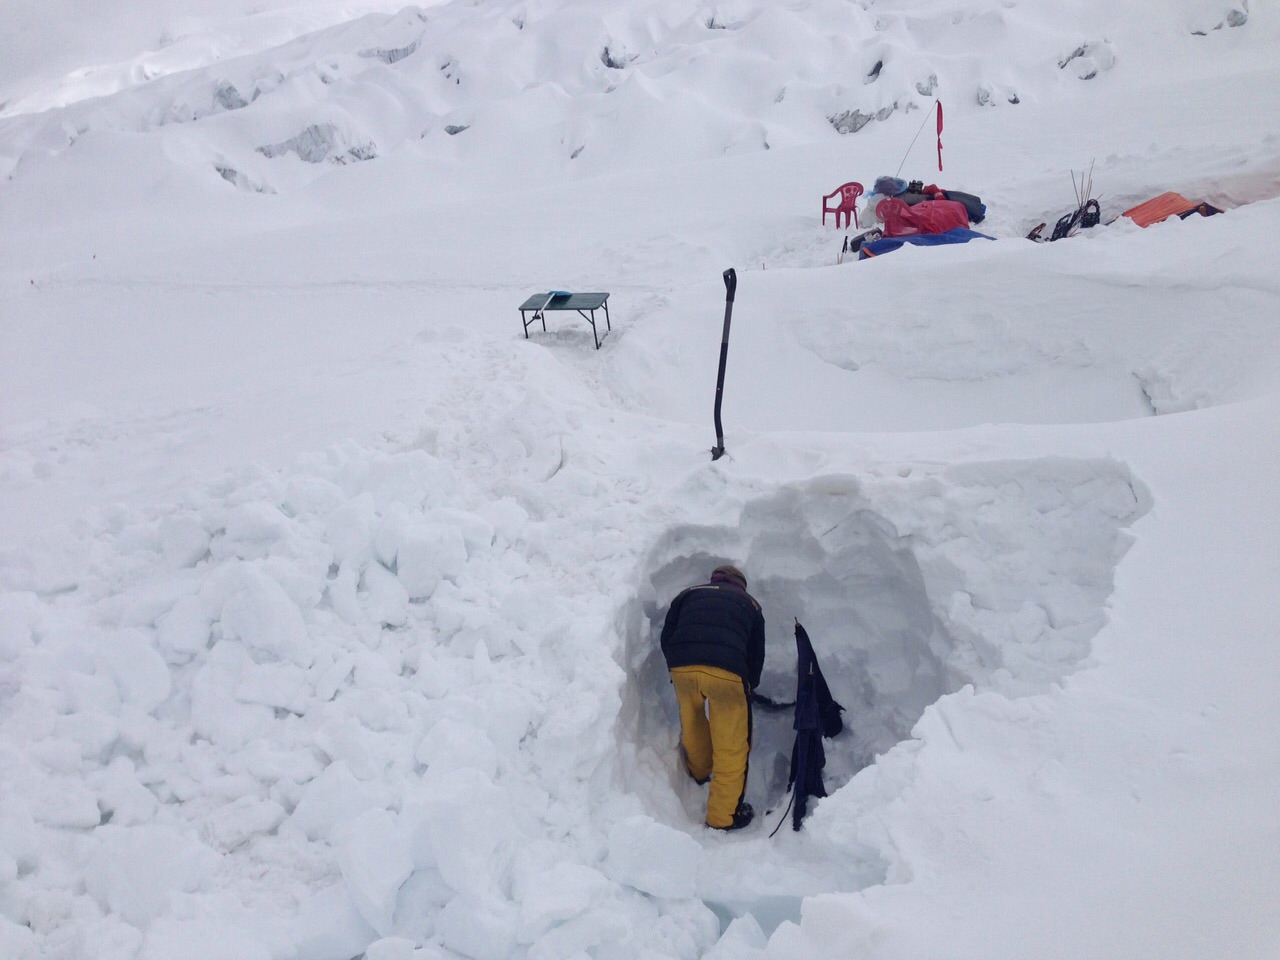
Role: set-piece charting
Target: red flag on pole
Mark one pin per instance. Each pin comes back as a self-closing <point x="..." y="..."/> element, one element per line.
<point x="939" y="136"/>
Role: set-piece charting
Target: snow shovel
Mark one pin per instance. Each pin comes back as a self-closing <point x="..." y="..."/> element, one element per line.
<point x="730" y="285"/>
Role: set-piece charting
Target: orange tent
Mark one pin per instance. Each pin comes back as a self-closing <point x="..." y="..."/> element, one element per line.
<point x="1164" y="206"/>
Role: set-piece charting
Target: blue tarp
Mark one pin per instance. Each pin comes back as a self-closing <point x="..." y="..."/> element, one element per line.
<point x="887" y="244"/>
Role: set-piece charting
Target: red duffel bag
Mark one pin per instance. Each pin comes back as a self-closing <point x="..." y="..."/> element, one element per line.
<point x="927" y="216"/>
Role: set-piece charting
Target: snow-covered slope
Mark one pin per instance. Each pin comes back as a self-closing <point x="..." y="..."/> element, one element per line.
<point x="329" y="600"/>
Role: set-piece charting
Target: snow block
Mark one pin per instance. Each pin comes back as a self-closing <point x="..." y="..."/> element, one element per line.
<point x="390" y="948"/>
<point x="329" y="927"/>
<point x="349" y="531"/>
<point x="261" y="615"/>
<point x="215" y="713"/>
<point x="477" y="533"/>
<point x="582" y="935"/>
<point x="122" y="796"/>
<point x="201" y="940"/>
<point x="561" y="893"/>
<point x="507" y="518"/>
<point x="251" y="529"/>
<point x="742" y="940"/>
<point x="333" y="798"/>
<point x="19" y="836"/>
<point x="183" y="631"/>
<point x="282" y="685"/>
<point x="133" y="870"/>
<point x="452" y="745"/>
<point x="183" y="541"/>
<point x="412" y="478"/>
<point x="19" y="615"/>
<point x="428" y="554"/>
<point x="243" y="819"/>
<point x="423" y="552"/>
<point x="65" y="802"/>
<point x="374" y="863"/>
<point x="139" y="671"/>
<point x="94" y="733"/>
<point x="481" y="928"/>
<point x="386" y="600"/>
<point x="461" y="823"/>
<point x="16" y="942"/>
<point x="653" y="858"/>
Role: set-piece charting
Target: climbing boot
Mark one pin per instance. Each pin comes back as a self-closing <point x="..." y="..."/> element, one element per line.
<point x="741" y="817"/>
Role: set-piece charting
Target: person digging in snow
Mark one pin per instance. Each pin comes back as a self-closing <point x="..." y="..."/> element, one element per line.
<point x="713" y="642"/>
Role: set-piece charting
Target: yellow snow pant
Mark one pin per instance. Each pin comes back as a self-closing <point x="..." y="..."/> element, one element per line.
<point x="715" y="731"/>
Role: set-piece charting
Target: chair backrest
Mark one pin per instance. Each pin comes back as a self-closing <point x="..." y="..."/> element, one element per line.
<point x="849" y="193"/>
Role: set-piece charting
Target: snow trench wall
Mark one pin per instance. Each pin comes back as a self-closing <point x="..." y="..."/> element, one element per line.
<point x="912" y="582"/>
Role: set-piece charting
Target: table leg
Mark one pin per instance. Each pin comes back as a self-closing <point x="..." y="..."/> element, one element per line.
<point x="591" y="320"/>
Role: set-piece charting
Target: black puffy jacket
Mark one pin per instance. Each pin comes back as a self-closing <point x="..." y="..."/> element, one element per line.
<point x="716" y="625"/>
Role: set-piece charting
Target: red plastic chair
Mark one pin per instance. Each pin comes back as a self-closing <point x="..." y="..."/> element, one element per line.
<point x="848" y="194"/>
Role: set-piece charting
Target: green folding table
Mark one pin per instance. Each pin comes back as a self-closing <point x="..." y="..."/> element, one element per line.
<point x="586" y="304"/>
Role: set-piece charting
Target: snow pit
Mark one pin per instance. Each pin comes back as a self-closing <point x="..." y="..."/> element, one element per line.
<point x="913" y="583"/>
